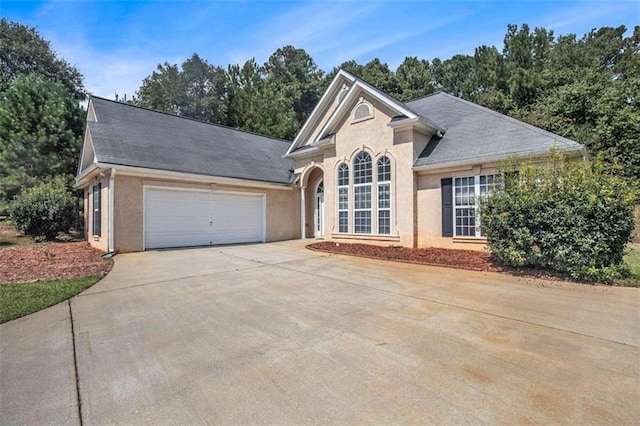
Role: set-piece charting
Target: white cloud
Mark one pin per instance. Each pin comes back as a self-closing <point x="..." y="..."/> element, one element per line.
<point x="361" y="49"/>
<point x="589" y="14"/>
<point x="108" y="73"/>
<point x="316" y="27"/>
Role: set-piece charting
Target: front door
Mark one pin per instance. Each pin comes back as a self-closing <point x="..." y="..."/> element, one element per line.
<point x="319" y="215"/>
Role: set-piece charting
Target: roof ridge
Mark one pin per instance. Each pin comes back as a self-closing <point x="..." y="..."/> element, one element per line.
<point x="224" y="126"/>
<point x="513" y="120"/>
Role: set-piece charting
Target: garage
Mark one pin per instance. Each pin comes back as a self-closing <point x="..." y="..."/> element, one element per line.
<point x="185" y="218"/>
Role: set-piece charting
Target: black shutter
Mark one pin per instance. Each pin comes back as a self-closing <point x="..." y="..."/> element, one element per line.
<point x="446" y="186"/>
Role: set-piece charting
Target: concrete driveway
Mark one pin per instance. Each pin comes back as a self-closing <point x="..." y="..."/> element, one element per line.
<point x="274" y="333"/>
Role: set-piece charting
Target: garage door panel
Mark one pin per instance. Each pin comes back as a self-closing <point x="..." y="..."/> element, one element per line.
<point x="175" y="218"/>
<point x="177" y="239"/>
<point x="237" y="218"/>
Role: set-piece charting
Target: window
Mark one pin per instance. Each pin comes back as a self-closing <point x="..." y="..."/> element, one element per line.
<point x="465" y="202"/>
<point x="362" y="111"/>
<point x="467" y="193"/>
<point x="343" y="198"/>
<point x="343" y="93"/>
<point x="96" y="209"/>
<point x="384" y="196"/>
<point x="362" y="187"/>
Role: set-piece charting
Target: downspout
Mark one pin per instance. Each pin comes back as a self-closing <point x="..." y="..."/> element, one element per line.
<point x="112" y="181"/>
<point x="302" y="212"/>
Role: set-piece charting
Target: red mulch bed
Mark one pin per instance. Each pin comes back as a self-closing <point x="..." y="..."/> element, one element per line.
<point x="51" y="261"/>
<point x="463" y="259"/>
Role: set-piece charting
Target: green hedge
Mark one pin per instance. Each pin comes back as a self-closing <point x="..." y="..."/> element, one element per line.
<point x="567" y="216"/>
<point x="44" y="210"/>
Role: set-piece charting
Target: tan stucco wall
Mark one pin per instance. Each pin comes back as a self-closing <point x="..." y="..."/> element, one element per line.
<point x="282" y="209"/>
<point x="429" y="212"/>
<point x="378" y="139"/>
<point x="128" y="214"/>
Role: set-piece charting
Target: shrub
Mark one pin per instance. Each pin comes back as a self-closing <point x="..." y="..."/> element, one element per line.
<point x="44" y="210"/>
<point x="569" y="216"/>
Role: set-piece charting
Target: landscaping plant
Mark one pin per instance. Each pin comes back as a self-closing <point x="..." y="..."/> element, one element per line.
<point x="568" y="216"/>
<point x="44" y="210"/>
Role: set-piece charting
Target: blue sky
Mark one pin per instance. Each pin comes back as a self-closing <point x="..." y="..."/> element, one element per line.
<point x="115" y="44"/>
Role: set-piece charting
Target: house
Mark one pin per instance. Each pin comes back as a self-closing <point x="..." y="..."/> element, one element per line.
<point x="363" y="168"/>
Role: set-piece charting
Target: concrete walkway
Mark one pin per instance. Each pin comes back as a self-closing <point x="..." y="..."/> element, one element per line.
<point x="274" y="333"/>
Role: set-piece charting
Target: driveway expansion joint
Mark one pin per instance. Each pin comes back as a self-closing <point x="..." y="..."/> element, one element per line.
<point x="260" y="265"/>
<point x="75" y="363"/>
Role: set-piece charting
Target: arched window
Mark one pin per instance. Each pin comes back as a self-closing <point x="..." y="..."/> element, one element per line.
<point x="343" y="197"/>
<point x="362" y="111"/>
<point x="384" y="195"/>
<point x="362" y="181"/>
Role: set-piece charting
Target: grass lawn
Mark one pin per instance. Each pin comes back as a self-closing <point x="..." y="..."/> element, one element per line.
<point x="20" y="299"/>
<point x="632" y="258"/>
<point x="9" y="237"/>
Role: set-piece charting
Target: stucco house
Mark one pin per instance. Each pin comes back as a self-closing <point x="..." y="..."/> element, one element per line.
<point x="363" y="168"/>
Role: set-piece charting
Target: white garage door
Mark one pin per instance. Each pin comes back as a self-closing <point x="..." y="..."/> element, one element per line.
<point x="178" y="218"/>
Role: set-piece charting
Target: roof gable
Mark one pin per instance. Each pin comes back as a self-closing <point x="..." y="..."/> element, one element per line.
<point x="320" y="110"/>
<point x="87" y="154"/>
<point x="132" y="136"/>
<point x="357" y="88"/>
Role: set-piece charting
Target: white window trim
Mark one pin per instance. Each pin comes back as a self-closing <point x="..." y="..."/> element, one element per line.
<point x="476" y="206"/>
<point x="96" y="231"/>
<point x="374" y="190"/>
<point x="370" y="209"/>
<point x="378" y="208"/>
<point x="373" y="196"/>
<point x="339" y="210"/>
<point x="364" y="118"/>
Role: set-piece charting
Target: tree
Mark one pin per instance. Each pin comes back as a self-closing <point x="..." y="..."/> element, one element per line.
<point x="204" y="88"/>
<point x="351" y="67"/>
<point x="490" y="79"/>
<point x="590" y="96"/>
<point x="23" y="51"/>
<point x="41" y="125"/>
<point x="414" y="79"/>
<point x="294" y="74"/>
<point x="247" y="106"/>
<point x="379" y="75"/>
<point x="196" y="90"/>
<point x="162" y="90"/>
<point x="455" y="76"/>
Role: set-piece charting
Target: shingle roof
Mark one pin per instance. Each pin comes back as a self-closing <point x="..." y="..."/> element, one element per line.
<point x="475" y="132"/>
<point x="133" y="136"/>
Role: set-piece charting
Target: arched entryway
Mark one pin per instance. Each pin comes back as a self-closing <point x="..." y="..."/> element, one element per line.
<point x="312" y="202"/>
<point x="319" y="210"/>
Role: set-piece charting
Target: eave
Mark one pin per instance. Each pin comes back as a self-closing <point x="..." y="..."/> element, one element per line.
<point x="94" y="169"/>
<point x="496" y="159"/>
<point x="418" y="124"/>
<point x="313" y="149"/>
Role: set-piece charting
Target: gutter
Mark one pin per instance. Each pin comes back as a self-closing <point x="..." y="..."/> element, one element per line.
<point x="171" y="175"/>
<point x="492" y="159"/>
